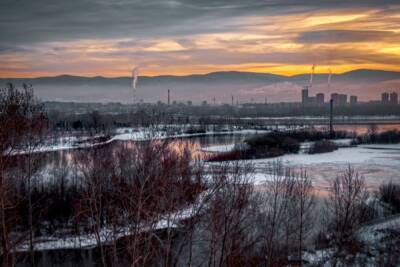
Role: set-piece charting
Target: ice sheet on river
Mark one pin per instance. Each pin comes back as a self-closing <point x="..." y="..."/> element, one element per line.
<point x="377" y="163"/>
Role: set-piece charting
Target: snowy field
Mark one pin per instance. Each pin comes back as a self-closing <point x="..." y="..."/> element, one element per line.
<point x="219" y="148"/>
<point x="377" y="163"/>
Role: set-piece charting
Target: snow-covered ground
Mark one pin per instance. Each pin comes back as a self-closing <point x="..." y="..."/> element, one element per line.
<point x="220" y="148"/>
<point x="372" y="232"/>
<point x="108" y="235"/>
<point x="372" y="236"/>
<point x="377" y="163"/>
<point x="143" y="135"/>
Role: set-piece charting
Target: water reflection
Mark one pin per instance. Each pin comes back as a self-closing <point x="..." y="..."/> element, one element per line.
<point x="375" y="171"/>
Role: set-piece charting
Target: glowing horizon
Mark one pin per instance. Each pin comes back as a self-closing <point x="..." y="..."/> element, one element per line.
<point x="182" y="74"/>
<point x="249" y="37"/>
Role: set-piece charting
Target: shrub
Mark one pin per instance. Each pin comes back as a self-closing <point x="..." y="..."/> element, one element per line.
<point x="324" y="146"/>
<point x="194" y="130"/>
<point x="273" y="141"/>
<point x="390" y="194"/>
<point x="387" y="137"/>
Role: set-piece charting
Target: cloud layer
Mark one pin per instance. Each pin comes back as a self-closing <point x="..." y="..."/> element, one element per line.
<point x="101" y="37"/>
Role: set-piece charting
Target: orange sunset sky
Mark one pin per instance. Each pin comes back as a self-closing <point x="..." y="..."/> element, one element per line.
<point x="109" y="38"/>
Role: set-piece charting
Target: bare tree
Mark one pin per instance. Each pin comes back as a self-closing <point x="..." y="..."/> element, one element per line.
<point x="274" y="209"/>
<point x="23" y="122"/>
<point x="230" y="217"/>
<point x="346" y="209"/>
<point x="286" y="204"/>
<point x="303" y="206"/>
<point x="96" y="166"/>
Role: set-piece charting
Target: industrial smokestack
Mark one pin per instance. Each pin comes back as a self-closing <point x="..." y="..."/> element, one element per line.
<point x="331" y="118"/>
<point x="329" y="79"/>
<point x="312" y="74"/>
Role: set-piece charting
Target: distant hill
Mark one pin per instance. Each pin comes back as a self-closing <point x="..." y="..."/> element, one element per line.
<point x="243" y="85"/>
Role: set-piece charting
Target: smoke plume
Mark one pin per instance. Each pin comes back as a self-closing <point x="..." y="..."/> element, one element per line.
<point x="329" y="78"/>
<point x="135" y="75"/>
<point x="312" y="74"/>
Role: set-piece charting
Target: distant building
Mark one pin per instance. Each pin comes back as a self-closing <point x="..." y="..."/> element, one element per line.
<point x="335" y="98"/>
<point x="375" y="102"/>
<point x="312" y="100"/>
<point x="306" y="99"/>
<point x="385" y="98"/>
<point x="320" y="99"/>
<point x="394" y="98"/>
<point x="342" y="99"/>
<point x="304" y="95"/>
<point x="339" y="99"/>
<point x="353" y="100"/>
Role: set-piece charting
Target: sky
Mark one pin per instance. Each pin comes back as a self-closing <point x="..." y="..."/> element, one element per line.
<point x="181" y="37"/>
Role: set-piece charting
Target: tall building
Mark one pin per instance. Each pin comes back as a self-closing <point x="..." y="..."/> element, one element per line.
<point x="304" y="95"/>
<point x="339" y="99"/>
<point x="335" y="98"/>
<point x="320" y="98"/>
<point x="353" y="100"/>
<point x="312" y="100"/>
<point x="385" y="98"/>
<point x="394" y="98"/>
<point x="342" y="99"/>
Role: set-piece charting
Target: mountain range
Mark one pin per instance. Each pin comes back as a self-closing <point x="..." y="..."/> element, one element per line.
<point x="244" y="86"/>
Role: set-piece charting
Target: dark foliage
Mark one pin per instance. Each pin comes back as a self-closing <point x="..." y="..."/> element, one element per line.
<point x="276" y="144"/>
<point x="387" y="137"/>
<point x="390" y="194"/>
<point x="323" y="146"/>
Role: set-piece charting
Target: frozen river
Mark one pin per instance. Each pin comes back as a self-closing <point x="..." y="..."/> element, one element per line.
<point x="376" y="163"/>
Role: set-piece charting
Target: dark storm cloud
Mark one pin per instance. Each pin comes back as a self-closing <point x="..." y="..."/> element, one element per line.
<point x="26" y="21"/>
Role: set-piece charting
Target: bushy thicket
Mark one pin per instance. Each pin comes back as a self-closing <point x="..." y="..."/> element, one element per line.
<point x="323" y="146"/>
<point x="115" y="173"/>
<point x="390" y="193"/>
<point x="278" y="143"/>
<point x="386" y="137"/>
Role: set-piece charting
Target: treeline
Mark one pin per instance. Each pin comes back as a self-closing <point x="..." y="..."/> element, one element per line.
<point x="374" y="137"/>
